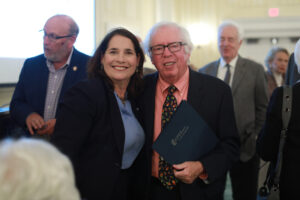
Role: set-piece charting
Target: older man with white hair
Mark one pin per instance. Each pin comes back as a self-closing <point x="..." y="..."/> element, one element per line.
<point x="169" y="47"/>
<point x="250" y="98"/>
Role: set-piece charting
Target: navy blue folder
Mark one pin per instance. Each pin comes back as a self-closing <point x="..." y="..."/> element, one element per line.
<point x="186" y="137"/>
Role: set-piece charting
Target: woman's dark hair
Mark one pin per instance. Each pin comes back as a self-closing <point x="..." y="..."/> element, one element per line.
<point x="96" y="70"/>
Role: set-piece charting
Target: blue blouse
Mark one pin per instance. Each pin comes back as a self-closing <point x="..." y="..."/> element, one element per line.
<point x="134" y="133"/>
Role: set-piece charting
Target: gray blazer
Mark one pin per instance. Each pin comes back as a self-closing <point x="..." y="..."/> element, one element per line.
<point x="250" y="99"/>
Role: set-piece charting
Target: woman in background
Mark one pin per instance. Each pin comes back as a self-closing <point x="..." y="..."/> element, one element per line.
<point x="98" y="124"/>
<point x="276" y="61"/>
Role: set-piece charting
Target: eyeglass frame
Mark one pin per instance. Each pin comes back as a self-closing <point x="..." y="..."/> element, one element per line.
<point x="168" y="45"/>
<point x="53" y="37"/>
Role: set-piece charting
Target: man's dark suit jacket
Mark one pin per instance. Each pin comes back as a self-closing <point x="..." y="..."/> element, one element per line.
<point x="268" y="141"/>
<point x="212" y="99"/>
<point x="90" y="131"/>
<point x="30" y="93"/>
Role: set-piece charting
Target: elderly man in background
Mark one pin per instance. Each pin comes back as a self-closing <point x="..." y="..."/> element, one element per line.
<point x="45" y="78"/>
<point x="169" y="47"/>
<point x="32" y="169"/>
<point x="250" y="98"/>
<point x="276" y="61"/>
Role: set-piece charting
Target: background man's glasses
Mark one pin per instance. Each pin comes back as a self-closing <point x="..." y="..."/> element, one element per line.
<point x="52" y="37"/>
<point x="173" y="47"/>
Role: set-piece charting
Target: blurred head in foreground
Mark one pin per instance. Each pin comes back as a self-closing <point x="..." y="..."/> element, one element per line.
<point x="32" y="169"/>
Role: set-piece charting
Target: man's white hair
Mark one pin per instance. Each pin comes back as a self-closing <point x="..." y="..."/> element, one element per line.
<point x="230" y="23"/>
<point x="32" y="169"/>
<point x="297" y="55"/>
<point x="183" y="32"/>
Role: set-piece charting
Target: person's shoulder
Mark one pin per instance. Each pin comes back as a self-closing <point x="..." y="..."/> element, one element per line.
<point x="38" y="58"/>
<point x="77" y="53"/>
<point x="33" y="64"/>
<point x="92" y="89"/>
<point x="90" y="85"/>
<point x="208" y="80"/>
<point x="251" y="63"/>
<point x="149" y="83"/>
<point x="150" y="77"/>
<point x="208" y="65"/>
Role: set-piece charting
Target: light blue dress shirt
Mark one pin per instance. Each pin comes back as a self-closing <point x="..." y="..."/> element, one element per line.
<point x="134" y="134"/>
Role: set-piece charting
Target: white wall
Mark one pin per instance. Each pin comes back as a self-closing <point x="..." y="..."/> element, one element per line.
<point x="10" y="69"/>
<point x="264" y="29"/>
<point x="21" y="22"/>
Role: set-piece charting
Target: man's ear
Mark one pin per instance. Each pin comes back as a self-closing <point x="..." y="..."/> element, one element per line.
<point x="240" y="43"/>
<point x="73" y="39"/>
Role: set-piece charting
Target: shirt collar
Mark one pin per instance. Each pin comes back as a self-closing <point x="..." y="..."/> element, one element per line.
<point x="278" y="78"/>
<point x="232" y="62"/>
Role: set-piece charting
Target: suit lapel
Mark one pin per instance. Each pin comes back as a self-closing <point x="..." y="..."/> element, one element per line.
<point x="43" y="84"/>
<point x="239" y="73"/>
<point x="150" y="104"/>
<point x="195" y="92"/>
<point x="71" y="74"/>
<point x="116" y="121"/>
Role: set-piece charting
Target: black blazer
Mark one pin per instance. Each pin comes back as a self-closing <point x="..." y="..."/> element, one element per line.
<point x="213" y="100"/>
<point x="268" y="142"/>
<point x="90" y="131"/>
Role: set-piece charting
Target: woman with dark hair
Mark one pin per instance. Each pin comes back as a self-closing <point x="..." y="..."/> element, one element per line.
<point x="98" y="124"/>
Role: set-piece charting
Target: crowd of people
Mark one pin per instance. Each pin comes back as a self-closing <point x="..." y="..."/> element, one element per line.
<point x="90" y="122"/>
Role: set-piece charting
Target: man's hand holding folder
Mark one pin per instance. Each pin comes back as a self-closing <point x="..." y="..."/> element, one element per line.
<point x="184" y="141"/>
<point x="188" y="171"/>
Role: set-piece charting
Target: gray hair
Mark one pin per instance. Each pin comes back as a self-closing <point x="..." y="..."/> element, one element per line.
<point x="33" y="169"/>
<point x="230" y="23"/>
<point x="272" y="53"/>
<point x="183" y="32"/>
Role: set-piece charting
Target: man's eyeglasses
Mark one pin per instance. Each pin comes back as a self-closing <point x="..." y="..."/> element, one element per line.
<point x="52" y="37"/>
<point x="173" y="47"/>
